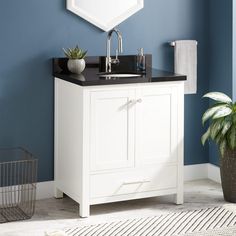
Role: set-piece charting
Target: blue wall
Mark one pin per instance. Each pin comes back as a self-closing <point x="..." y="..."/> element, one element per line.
<point x="221" y="54"/>
<point x="32" y="32"/>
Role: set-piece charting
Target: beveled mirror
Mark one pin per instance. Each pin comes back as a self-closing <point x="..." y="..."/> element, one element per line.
<point x="105" y="14"/>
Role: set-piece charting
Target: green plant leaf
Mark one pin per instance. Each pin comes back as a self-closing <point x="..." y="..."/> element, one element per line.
<point x="222" y="112"/>
<point x="84" y="54"/>
<point x="217" y="96"/>
<point x="223" y="145"/>
<point x="74" y="53"/>
<point x="226" y="127"/>
<point x="234" y="118"/>
<point x="215" y="128"/>
<point x="206" y="136"/>
<point x="218" y="138"/>
<point x="232" y="138"/>
<point x="210" y="112"/>
<point x="65" y="52"/>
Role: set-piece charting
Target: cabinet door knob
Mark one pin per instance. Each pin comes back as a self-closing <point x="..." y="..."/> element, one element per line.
<point x="139" y="100"/>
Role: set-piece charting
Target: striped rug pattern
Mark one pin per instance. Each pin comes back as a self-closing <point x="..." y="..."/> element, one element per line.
<point x="179" y="223"/>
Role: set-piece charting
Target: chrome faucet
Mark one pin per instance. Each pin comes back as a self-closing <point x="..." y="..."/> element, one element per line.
<point x="109" y="60"/>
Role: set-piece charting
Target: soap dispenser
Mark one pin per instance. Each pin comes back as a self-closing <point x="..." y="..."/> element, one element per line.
<point x="141" y="60"/>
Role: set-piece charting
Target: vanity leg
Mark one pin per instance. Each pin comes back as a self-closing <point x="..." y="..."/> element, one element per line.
<point x="179" y="199"/>
<point x="84" y="210"/>
<point x="58" y="193"/>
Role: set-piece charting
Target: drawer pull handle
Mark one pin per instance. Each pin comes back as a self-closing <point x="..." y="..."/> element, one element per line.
<point x="139" y="100"/>
<point x="137" y="182"/>
<point x="130" y="102"/>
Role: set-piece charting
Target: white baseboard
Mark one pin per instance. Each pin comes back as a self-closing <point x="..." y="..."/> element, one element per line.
<point x="45" y="190"/>
<point x="202" y="171"/>
<point x="192" y="172"/>
<point x="195" y="172"/>
<point x="214" y="173"/>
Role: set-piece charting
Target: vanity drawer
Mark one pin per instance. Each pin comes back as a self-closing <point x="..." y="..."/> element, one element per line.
<point x="133" y="181"/>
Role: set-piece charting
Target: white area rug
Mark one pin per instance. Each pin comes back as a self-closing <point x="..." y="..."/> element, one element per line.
<point x="210" y="221"/>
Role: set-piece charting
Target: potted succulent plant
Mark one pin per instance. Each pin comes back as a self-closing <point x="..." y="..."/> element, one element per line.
<point x="76" y="62"/>
<point x="222" y="130"/>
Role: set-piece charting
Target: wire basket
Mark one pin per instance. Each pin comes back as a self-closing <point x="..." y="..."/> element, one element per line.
<point x="18" y="175"/>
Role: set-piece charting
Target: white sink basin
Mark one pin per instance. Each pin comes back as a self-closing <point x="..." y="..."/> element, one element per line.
<point x="120" y="75"/>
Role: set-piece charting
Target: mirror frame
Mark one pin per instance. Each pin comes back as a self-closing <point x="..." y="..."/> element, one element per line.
<point x="71" y="6"/>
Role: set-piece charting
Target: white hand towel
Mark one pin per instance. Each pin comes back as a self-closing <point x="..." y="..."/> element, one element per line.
<point x="186" y="63"/>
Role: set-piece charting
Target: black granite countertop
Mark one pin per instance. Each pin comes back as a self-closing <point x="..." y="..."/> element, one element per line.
<point x="95" y="67"/>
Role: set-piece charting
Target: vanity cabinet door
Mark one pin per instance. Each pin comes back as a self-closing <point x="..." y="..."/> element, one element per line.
<point x="156" y="125"/>
<point x="112" y="129"/>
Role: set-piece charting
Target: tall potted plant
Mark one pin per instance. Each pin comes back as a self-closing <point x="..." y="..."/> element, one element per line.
<point x="76" y="62"/>
<point x="222" y="130"/>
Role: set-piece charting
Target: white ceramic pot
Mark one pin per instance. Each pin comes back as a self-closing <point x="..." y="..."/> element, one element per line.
<point x="76" y="66"/>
